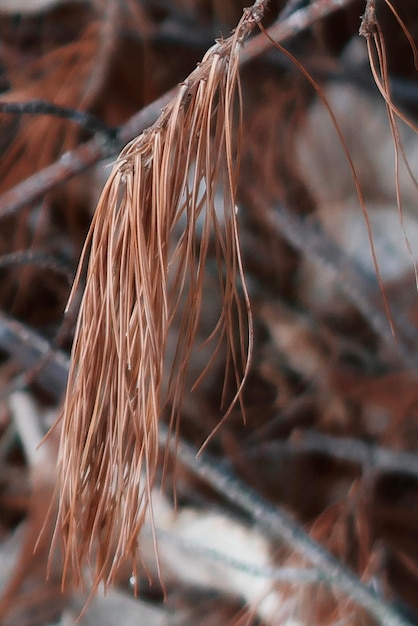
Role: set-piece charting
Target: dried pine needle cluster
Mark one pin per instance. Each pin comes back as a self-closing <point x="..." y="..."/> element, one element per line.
<point x="138" y="280"/>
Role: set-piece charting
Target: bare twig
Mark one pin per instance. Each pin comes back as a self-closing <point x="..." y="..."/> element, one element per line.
<point x="87" y="154"/>
<point x="295" y="575"/>
<point x="368" y="19"/>
<point x="42" y="107"/>
<point x="39" y="258"/>
<point x="29" y="349"/>
<point x="345" y="448"/>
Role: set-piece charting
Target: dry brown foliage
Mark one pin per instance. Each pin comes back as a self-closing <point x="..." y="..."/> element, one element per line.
<point x="137" y="282"/>
<point x="301" y="508"/>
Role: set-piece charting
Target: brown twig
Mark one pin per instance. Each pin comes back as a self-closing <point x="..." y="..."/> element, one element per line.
<point x="368" y="19"/>
<point x="284" y="29"/>
<point x="38" y="258"/>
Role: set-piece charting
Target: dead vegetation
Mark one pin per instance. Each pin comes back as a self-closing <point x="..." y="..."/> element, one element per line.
<point x="283" y="179"/>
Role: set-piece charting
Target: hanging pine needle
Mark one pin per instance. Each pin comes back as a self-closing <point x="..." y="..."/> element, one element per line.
<point x="138" y="281"/>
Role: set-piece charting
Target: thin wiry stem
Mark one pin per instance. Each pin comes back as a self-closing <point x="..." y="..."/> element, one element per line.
<point x="43" y="107"/>
<point x="353" y="171"/>
<point x="350" y="449"/>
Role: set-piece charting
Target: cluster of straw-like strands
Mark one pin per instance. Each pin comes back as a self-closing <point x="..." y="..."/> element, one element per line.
<point x="137" y="281"/>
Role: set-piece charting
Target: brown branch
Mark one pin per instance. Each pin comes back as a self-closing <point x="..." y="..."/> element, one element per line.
<point x="22" y="258"/>
<point x="100" y="147"/>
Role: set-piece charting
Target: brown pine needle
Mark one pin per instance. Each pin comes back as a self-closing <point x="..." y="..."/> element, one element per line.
<point x="137" y="282"/>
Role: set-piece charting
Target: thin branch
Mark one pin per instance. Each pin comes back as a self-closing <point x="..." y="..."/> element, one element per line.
<point x="23" y="258"/>
<point x="100" y="147"/>
<point x="30" y="349"/>
<point x="281" y="526"/>
<point x="42" y="107"/>
<point x="349" y="449"/>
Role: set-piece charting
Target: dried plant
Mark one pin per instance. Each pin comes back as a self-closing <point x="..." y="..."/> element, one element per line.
<point x="138" y="281"/>
<point x="330" y="434"/>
